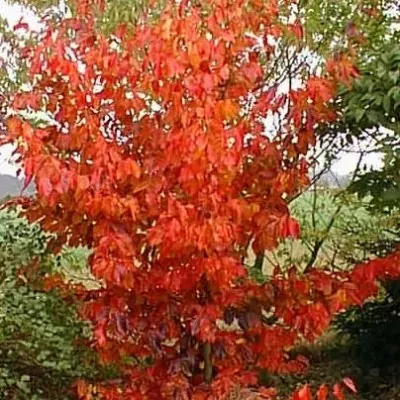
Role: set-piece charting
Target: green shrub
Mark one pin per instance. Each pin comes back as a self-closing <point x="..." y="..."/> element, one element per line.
<point x="374" y="329"/>
<point x="42" y="340"/>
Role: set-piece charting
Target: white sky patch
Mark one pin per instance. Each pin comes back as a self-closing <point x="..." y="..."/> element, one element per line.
<point x="348" y="162"/>
<point x="13" y="13"/>
<point x="7" y="164"/>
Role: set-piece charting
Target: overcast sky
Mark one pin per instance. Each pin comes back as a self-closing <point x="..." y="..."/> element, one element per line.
<point x="344" y="165"/>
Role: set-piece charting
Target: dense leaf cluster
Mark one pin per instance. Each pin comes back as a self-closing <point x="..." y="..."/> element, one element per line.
<point x="371" y="110"/>
<point x="42" y="340"/>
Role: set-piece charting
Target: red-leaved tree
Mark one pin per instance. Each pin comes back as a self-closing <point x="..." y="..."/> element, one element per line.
<point x="157" y="159"/>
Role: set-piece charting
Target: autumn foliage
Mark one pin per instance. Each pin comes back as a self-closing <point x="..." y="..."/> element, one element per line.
<point x="157" y="159"/>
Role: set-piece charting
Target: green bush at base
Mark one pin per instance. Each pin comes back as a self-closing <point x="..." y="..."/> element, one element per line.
<point x="42" y="349"/>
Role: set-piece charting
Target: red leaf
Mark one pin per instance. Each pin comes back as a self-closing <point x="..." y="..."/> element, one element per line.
<point x="44" y="186"/>
<point x="208" y="82"/>
<point x="338" y="392"/>
<point x="297" y="30"/>
<point x="289" y="227"/>
<point x="28" y="167"/>
<point x="21" y="25"/>
<point x="322" y="393"/>
<point x="303" y="394"/>
<point x="100" y="334"/>
<point x="342" y="68"/>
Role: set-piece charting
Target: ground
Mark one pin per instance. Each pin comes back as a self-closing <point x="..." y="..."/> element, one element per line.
<point x="332" y="360"/>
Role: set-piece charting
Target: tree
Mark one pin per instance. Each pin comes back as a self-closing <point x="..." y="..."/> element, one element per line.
<point x="157" y="159"/>
<point x="372" y="109"/>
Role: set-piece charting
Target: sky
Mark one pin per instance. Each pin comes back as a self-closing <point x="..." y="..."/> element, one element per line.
<point x="345" y="165"/>
<point x="13" y="13"/>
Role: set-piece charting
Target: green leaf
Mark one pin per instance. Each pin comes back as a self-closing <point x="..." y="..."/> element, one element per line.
<point x="392" y="194"/>
<point x="359" y="114"/>
<point x="395" y="58"/>
<point x="373" y="116"/>
<point x="386" y="103"/>
<point x="394" y="76"/>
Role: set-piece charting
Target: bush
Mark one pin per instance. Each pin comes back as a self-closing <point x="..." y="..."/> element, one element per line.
<point x="374" y="329"/>
<point x="41" y="337"/>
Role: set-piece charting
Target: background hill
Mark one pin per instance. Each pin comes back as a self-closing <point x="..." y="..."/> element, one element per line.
<point x="12" y="186"/>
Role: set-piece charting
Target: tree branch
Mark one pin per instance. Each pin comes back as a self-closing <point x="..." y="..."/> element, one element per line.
<point x="207" y="363"/>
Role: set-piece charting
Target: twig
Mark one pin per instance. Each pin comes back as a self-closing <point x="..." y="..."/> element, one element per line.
<point x="207" y="363"/>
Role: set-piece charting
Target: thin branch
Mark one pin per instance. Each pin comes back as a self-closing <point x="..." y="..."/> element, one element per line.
<point x="319" y="243"/>
<point x="207" y="363"/>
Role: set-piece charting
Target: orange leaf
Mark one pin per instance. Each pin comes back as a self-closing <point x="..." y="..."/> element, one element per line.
<point x="322" y="393"/>
<point x="227" y="109"/>
<point x="303" y="394"/>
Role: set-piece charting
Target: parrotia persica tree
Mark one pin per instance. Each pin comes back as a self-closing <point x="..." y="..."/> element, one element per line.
<point x="158" y="160"/>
